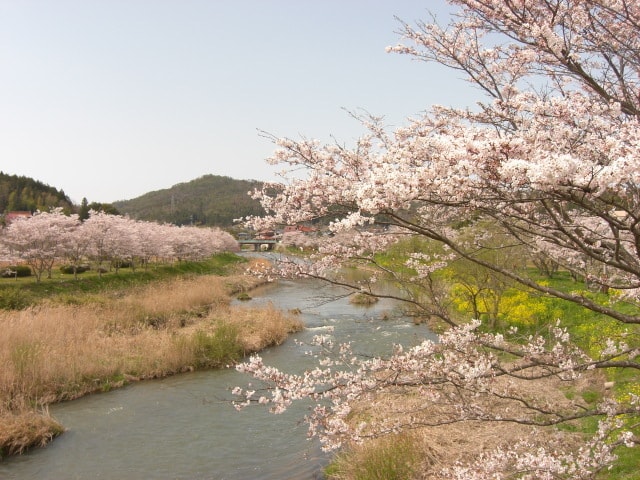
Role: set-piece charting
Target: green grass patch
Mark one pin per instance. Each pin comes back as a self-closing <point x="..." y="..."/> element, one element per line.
<point x="390" y="458"/>
<point x="625" y="468"/>
<point x="13" y="297"/>
<point x="221" y="347"/>
<point x="591" y="396"/>
<point x="20" y="293"/>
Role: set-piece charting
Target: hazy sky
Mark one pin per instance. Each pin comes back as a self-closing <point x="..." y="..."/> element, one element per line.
<point x="110" y="99"/>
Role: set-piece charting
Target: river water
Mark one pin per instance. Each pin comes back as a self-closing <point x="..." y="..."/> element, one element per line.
<point x="184" y="427"/>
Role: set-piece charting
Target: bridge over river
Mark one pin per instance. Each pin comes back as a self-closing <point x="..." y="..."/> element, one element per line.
<point x="258" y="242"/>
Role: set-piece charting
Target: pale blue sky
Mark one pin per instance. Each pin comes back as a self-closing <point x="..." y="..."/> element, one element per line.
<point x="110" y="99"/>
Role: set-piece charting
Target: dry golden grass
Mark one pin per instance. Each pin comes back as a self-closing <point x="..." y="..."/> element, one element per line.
<point x="51" y="353"/>
<point x="436" y="447"/>
<point x="263" y="327"/>
<point x="362" y="299"/>
<point x="26" y="430"/>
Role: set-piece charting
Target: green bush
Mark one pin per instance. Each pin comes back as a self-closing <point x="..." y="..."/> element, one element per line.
<point x="69" y="268"/>
<point x="217" y="348"/>
<point x="122" y="264"/>
<point x="16" y="271"/>
<point x="14" y="299"/>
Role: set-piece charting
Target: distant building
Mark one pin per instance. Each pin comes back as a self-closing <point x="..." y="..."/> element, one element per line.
<point x="11" y="216"/>
<point x="299" y="228"/>
<point x="266" y="235"/>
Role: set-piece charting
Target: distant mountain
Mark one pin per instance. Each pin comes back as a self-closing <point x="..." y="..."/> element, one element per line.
<point x="209" y="200"/>
<point x="18" y="193"/>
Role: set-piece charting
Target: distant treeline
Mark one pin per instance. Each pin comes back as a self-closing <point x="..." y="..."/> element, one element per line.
<point x="210" y="200"/>
<point x="18" y="193"/>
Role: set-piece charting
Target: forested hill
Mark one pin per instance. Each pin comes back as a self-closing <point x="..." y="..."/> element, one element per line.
<point x="208" y="200"/>
<point x="27" y="194"/>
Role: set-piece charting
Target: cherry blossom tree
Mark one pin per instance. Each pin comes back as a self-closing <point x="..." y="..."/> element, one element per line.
<point x="149" y="243"/>
<point x="299" y="240"/>
<point x="75" y="246"/>
<point x="101" y="231"/>
<point x="549" y="158"/>
<point x="49" y="237"/>
<point x="39" y="240"/>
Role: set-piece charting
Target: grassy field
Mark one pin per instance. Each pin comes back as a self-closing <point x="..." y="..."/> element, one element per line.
<point x="74" y="337"/>
<point x="22" y="292"/>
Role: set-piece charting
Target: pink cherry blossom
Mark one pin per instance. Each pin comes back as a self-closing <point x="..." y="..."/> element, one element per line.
<point x="105" y="240"/>
<point x="547" y="162"/>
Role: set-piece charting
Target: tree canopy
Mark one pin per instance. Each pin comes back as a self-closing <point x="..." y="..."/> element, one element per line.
<point x="19" y="193"/>
<point x="547" y="164"/>
<point x="208" y="200"/>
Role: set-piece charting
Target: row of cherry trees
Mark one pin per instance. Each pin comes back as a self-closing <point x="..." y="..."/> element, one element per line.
<point x="547" y="162"/>
<point x="106" y="241"/>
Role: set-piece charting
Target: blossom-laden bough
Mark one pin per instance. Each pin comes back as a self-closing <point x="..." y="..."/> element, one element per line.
<point x="547" y="165"/>
<point x="464" y="377"/>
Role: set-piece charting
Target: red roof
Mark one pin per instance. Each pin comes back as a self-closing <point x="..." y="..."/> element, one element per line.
<point x="299" y="228"/>
<point x="10" y="216"/>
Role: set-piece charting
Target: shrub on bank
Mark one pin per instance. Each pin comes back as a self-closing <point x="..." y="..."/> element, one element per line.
<point x="14" y="299"/>
<point x="14" y="271"/>
<point x="70" y="268"/>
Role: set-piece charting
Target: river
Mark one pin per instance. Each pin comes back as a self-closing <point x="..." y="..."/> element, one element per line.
<point x="184" y="427"/>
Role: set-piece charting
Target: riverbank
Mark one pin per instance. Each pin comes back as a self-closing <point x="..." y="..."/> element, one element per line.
<point x="433" y="438"/>
<point x="54" y="351"/>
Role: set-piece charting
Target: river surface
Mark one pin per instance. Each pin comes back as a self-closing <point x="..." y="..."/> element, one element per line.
<point x="184" y="427"/>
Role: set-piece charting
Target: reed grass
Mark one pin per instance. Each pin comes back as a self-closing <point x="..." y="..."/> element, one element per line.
<point x="396" y="457"/>
<point x="26" y="430"/>
<point x="54" y="352"/>
<point x="363" y="299"/>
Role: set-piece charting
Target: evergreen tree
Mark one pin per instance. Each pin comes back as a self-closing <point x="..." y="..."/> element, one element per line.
<point x="83" y="213"/>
